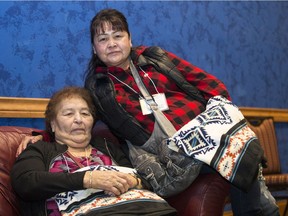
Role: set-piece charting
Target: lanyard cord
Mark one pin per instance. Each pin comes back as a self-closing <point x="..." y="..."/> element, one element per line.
<point x="161" y="119"/>
<point x="145" y="75"/>
<point x="148" y="98"/>
<point x="144" y="98"/>
<point x="125" y="84"/>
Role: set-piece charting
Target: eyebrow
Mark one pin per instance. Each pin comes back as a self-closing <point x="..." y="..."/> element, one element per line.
<point x="113" y="32"/>
<point x="71" y="109"/>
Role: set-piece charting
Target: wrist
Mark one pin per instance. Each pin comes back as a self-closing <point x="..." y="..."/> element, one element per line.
<point x="138" y="182"/>
<point x="87" y="181"/>
<point x="90" y="179"/>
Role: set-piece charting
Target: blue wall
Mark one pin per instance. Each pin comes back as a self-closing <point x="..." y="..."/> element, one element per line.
<point x="45" y="45"/>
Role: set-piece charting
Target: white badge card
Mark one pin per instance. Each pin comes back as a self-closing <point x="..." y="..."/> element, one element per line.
<point x="161" y="101"/>
<point x="159" y="98"/>
<point x="144" y="107"/>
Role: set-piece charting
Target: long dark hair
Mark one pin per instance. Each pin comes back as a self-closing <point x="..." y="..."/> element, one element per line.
<point x="118" y="22"/>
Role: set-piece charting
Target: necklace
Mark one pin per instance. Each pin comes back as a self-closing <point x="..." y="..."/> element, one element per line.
<point x="76" y="158"/>
<point x="80" y="154"/>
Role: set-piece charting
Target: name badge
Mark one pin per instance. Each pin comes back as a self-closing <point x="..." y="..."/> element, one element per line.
<point x="159" y="98"/>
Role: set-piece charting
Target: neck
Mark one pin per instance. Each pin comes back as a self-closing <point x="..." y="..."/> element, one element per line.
<point x="126" y="64"/>
<point x="80" y="152"/>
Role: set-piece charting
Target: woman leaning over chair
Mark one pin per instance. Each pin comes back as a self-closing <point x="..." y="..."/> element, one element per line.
<point x="52" y="178"/>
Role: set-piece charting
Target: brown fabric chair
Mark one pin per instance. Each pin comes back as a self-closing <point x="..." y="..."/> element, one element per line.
<point x="265" y="131"/>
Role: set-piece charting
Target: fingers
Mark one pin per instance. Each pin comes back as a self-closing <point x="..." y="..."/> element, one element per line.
<point x="109" y="193"/>
<point x="34" y="139"/>
<point x="26" y="141"/>
<point x="117" y="186"/>
<point x="19" y="150"/>
<point x="23" y="145"/>
<point x="121" y="187"/>
<point x="113" y="183"/>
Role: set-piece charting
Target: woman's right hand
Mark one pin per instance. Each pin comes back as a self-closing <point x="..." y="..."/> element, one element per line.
<point x="27" y="139"/>
<point x="111" y="182"/>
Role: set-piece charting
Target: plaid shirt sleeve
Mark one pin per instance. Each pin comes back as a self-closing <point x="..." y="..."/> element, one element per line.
<point x="208" y="84"/>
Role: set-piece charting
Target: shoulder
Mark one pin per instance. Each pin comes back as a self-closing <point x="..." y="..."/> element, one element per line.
<point x="147" y="51"/>
<point x="159" y="53"/>
<point x="43" y="147"/>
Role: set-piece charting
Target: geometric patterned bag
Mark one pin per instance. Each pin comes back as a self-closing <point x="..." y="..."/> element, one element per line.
<point x="221" y="138"/>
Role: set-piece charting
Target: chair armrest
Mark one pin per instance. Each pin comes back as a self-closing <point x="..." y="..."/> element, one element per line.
<point x="206" y="196"/>
<point x="10" y="138"/>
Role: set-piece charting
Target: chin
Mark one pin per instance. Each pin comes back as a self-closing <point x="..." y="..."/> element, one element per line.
<point x="81" y="139"/>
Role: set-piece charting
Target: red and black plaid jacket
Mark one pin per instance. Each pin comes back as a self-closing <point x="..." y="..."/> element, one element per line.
<point x="182" y="107"/>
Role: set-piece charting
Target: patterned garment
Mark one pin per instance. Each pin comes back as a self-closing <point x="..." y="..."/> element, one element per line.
<point x="182" y="107"/>
<point x="84" y="201"/>
<point x="63" y="163"/>
<point x="220" y="137"/>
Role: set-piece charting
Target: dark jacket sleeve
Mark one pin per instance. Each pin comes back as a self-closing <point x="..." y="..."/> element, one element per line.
<point x="31" y="178"/>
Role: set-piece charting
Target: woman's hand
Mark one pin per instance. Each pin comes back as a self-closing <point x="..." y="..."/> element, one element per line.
<point x="26" y="141"/>
<point x="113" y="183"/>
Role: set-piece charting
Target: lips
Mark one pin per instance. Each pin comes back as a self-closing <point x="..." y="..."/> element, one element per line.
<point x="113" y="53"/>
<point x="78" y="130"/>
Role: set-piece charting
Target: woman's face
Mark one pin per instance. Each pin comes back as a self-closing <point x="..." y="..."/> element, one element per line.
<point x="113" y="47"/>
<point x="73" y="123"/>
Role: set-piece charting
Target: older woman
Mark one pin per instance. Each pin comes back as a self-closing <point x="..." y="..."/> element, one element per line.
<point x="60" y="177"/>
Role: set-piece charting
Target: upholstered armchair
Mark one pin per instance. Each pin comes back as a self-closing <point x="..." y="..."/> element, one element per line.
<point x="275" y="179"/>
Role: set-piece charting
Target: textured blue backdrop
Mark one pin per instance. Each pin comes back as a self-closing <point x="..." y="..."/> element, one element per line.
<point x="45" y="45"/>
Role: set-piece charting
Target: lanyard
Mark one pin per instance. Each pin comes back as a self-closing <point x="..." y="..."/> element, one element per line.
<point x="164" y="123"/>
<point x="125" y="84"/>
<point x="145" y="75"/>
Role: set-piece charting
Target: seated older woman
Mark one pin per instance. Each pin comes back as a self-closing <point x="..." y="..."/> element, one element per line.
<point x="76" y="175"/>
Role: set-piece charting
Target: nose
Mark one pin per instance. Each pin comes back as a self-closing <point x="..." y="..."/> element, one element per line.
<point x="77" y="118"/>
<point x="111" y="43"/>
